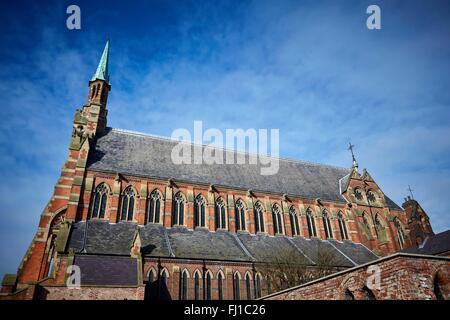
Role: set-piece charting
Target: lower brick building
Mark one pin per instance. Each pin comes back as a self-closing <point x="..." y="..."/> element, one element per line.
<point x="136" y="225"/>
<point x="402" y="276"/>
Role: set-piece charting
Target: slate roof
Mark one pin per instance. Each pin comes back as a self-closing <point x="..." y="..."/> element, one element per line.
<point x="202" y="244"/>
<point x="150" y="156"/>
<point x="107" y="270"/>
<point x="433" y="245"/>
<point x="106" y="238"/>
<point x="102" y="237"/>
<point x="357" y="252"/>
<point x="321" y="251"/>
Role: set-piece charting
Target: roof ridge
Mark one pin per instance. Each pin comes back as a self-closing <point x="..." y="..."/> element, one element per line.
<point x="299" y="249"/>
<point x="341" y="252"/>
<point x="142" y="134"/>
<point x="242" y="246"/>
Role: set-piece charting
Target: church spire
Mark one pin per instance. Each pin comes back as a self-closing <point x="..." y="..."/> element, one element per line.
<point x="99" y="88"/>
<point x="102" y="70"/>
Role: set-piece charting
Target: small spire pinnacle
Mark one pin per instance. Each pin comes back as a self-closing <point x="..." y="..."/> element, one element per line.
<point x="102" y="70"/>
<point x="355" y="164"/>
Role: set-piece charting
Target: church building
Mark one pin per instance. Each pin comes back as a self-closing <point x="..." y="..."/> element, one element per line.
<point x="134" y="225"/>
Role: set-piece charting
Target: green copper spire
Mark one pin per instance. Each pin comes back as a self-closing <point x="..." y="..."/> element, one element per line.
<point x="102" y="69"/>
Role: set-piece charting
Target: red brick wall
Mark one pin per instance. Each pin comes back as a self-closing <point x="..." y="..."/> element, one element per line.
<point x="403" y="277"/>
<point x="175" y="267"/>
<point x="90" y="293"/>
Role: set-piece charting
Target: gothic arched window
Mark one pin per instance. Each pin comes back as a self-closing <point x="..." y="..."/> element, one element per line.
<point x="99" y="201"/>
<point x="311" y="224"/>
<point x="163" y="288"/>
<point x="151" y="276"/>
<point x="208" y="286"/>
<point x="294" y="221"/>
<point x="220" y="214"/>
<point x="237" y="286"/>
<point x="342" y="226"/>
<point x="366" y="223"/>
<point x="240" y="215"/>
<point x="438" y="283"/>
<point x="197" y="286"/>
<point x="248" y="286"/>
<point x="327" y="225"/>
<point x="348" y="295"/>
<point x="220" y="285"/>
<point x="51" y="257"/>
<point x="368" y="294"/>
<point x="199" y="211"/>
<point x="358" y="194"/>
<point x="184" y="286"/>
<point x="258" y="286"/>
<point x="377" y="223"/>
<point x="371" y="197"/>
<point x="178" y="209"/>
<point x="269" y="284"/>
<point x="128" y="199"/>
<point x="154" y="207"/>
<point x="400" y="233"/>
<point x="277" y="219"/>
<point x="259" y="217"/>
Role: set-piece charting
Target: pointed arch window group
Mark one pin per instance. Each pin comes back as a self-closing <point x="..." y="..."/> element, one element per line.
<point x="184" y="285"/>
<point x="259" y="217"/>
<point x="277" y="219"/>
<point x="220" y="214"/>
<point x="311" y="224"/>
<point x="127" y="207"/>
<point x="154" y="207"/>
<point x="178" y="209"/>
<point x="400" y="233"/>
<point x="99" y="201"/>
<point x="342" y="226"/>
<point x="327" y="225"/>
<point x="199" y="211"/>
<point x="240" y="215"/>
<point x="237" y="286"/>
<point x="295" y="228"/>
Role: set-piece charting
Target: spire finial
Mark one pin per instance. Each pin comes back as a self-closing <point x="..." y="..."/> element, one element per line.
<point x="350" y="147"/>
<point x="410" y="191"/>
<point x="102" y="70"/>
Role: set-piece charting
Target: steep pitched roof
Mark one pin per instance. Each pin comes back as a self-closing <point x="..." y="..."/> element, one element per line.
<point x="150" y="156"/>
<point x="433" y="245"/>
<point x="104" y="238"/>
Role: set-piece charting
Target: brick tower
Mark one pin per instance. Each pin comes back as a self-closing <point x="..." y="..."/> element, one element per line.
<point x="67" y="203"/>
<point x="418" y="222"/>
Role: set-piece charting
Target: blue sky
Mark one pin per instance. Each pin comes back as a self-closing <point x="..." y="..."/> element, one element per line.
<point x="310" y="68"/>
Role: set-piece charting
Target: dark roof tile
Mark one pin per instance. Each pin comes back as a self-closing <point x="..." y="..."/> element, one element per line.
<point x="107" y="270"/>
<point x="149" y="156"/>
<point x="433" y="245"/>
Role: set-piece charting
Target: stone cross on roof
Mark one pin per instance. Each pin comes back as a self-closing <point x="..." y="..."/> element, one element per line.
<point x="410" y="191"/>
<point x="350" y="147"/>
